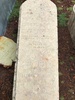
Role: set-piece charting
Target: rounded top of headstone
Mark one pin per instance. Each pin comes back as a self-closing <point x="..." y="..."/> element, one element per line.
<point x="37" y="2"/>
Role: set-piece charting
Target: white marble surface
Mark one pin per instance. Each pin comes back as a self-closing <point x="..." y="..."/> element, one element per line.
<point x="37" y="65"/>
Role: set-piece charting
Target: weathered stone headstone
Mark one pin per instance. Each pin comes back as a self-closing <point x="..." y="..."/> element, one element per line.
<point x="37" y="65"/>
<point x="71" y="25"/>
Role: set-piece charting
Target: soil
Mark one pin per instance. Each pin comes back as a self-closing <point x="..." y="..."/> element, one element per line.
<point x="66" y="59"/>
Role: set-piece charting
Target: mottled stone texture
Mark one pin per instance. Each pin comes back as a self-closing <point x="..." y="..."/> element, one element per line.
<point x="37" y="65"/>
<point x="71" y="26"/>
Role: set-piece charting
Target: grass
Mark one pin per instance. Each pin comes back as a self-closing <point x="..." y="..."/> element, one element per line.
<point x="58" y="1"/>
<point x="61" y="62"/>
<point x="62" y="98"/>
<point x="71" y="58"/>
<point x="62" y="19"/>
<point x="15" y="11"/>
<point x="70" y="9"/>
<point x="60" y="8"/>
<point x="73" y="1"/>
<point x="60" y="74"/>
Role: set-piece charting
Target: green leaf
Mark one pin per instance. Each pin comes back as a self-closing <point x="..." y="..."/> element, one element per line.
<point x="62" y="19"/>
<point x="62" y="98"/>
<point x="15" y="11"/>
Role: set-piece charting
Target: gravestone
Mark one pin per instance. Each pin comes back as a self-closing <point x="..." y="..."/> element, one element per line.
<point x="71" y="26"/>
<point x="5" y="10"/>
<point x="36" y="71"/>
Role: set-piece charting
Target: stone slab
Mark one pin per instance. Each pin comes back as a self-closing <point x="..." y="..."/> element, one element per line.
<point x="37" y="65"/>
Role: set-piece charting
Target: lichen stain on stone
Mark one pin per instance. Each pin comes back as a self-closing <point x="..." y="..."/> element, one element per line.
<point x="45" y="58"/>
<point x="1" y="48"/>
<point x="0" y="38"/>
